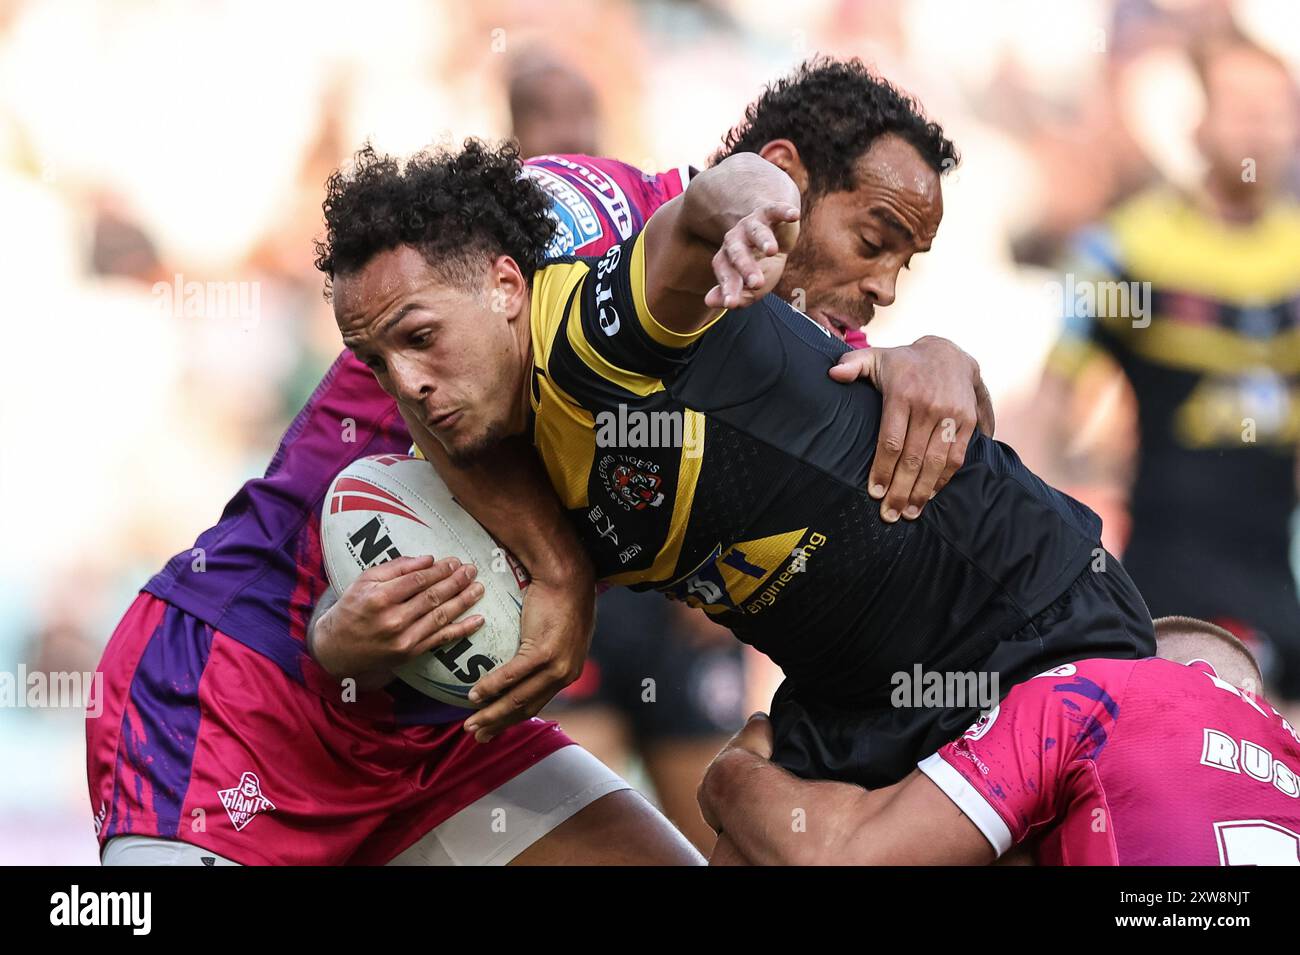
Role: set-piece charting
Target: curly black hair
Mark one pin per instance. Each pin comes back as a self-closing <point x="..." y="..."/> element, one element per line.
<point x="833" y="111"/>
<point x="455" y="207"/>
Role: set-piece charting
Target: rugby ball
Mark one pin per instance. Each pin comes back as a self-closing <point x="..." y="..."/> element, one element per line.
<point x="394" y="505"/>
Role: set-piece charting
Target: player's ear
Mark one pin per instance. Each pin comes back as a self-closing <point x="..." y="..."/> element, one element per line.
<point x="784" y="154"/>
<point x="507" y="288"/>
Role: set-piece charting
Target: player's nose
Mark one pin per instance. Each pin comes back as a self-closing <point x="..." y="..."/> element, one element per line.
<point x="878" y="288"/>
<point x="410" y="381"/>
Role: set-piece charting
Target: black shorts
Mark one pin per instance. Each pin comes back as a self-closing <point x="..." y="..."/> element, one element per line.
<point x="667" y="681"/>
<point x="1100" y="615"/>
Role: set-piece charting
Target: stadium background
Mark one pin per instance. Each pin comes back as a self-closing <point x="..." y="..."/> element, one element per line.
<point x="141" y="141"/>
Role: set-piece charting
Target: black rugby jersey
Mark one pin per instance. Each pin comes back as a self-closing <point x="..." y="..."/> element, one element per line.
<point x="1213" y="356"/>
<point x="727" y="469"/>
<point x="1213" y="353"/>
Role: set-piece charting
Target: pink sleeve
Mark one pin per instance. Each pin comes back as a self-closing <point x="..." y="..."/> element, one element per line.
<point x="1007" y="773"/>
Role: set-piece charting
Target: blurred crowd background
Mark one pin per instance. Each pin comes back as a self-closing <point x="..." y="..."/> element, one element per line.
<point x="146" y="143"/>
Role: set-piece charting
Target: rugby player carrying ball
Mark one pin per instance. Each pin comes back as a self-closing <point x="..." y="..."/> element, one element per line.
<point x="761" y="515"/>
<point x="212" y="690"/>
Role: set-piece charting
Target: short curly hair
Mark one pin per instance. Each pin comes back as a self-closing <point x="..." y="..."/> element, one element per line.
<point x="457" y="207"/>
<point x="833" y="111"/>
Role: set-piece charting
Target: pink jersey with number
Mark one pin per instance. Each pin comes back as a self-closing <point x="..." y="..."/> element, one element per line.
<point x="1130" y="762"/>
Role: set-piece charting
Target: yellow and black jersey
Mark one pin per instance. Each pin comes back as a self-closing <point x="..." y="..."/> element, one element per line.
<point x="727" y="469"/>
<point x="1203" y="318"/>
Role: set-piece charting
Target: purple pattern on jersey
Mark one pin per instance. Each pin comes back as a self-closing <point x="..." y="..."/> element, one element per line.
<point x="247" y="575"/>
<point x="257" y="574"/>
<point x="1196" y="772"/>
<point x="164" y="695"/>
<point x="1092" y="730"/>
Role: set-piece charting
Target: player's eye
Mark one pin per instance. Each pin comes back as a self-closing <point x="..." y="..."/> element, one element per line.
<point x="375" y="364"/>
<point x="869" y="248"/>
<point x="422" y="338"/>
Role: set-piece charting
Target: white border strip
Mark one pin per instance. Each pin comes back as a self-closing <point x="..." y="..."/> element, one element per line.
<point x="969" y="800"/>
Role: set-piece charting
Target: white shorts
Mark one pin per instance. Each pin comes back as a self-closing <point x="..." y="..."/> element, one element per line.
<point x="490" y="831"/>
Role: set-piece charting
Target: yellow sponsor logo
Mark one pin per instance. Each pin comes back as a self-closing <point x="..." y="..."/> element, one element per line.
<point x="799" y="559"/>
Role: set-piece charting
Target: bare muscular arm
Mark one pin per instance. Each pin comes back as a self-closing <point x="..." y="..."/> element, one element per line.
<point x="509" y="494"/>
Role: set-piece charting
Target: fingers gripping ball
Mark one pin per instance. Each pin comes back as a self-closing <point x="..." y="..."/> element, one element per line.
<point x="388" y="506"/>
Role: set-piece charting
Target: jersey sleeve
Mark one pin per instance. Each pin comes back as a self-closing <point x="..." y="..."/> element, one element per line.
<point x="1010" y="773"/>
<point x="596" y="332"/>
<point x="617" y="321"/>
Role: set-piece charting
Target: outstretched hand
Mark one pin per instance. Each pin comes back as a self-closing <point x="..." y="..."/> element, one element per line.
<point x="752" y="256"/>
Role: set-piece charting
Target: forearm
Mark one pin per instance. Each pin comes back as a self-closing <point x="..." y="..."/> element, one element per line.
<point x="774" y="818"/>
<point x="683" y="236"/>
<point x="509" y="494"/>
<point x="720" y="197"/>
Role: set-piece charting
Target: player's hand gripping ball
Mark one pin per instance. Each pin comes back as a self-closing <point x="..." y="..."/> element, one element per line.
<point x="388" y="506"/>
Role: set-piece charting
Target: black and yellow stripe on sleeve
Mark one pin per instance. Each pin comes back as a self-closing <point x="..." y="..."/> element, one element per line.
<point x="617" y="335"/>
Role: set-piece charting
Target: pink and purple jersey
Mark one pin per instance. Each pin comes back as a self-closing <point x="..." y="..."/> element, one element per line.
<point x="257" y="574"/>
<point x="1130" y="762"/>
<point x="205" y="740"/>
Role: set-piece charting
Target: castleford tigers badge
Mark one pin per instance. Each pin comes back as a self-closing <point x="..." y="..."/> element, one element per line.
<point x="632" y="482"/>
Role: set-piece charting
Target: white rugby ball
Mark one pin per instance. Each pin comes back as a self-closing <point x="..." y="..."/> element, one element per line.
<point x="395" y="505"/>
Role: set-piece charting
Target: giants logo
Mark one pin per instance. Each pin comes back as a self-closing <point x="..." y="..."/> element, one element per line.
<point x="982" y="725"/>
<point x="245" y="801"/>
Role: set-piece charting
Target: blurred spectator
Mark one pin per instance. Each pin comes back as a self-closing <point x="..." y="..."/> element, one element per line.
<point x="552" y="107"/>
<point x="120" y="246"/>
<point x="1193" y="297"/>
